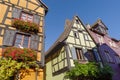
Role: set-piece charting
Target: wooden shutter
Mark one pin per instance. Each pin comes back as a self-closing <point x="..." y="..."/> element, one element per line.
<point x="73" y="53"/>
<point x="96" y="54"/>
<point x="34" y="42"/>
<point x="84" y="52"/>
<point x="36" y="19"/>
<point x="8" y="37"/>
<point x="16" y="13"/>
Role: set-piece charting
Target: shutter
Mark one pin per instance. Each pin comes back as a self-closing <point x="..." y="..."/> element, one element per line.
<point x="73" y="53"/>
<point x="96" y="54"/>
<point x="84" y="51"/>
<point x="8" y="37"/>
<point x="34" y="42"/>
<point x="16" y="13"/>
<point x="36" y="19"/>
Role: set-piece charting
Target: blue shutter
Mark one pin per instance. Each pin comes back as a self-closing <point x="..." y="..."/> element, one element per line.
<point x="36" y="19"/>
<point x="96" y="54"/>
<point x="34" y="42"/>
<point x="73" y="53"/>
<point x="84" y="51"/>
<point x="8" y="37"/>
<point x="16" y="13"/>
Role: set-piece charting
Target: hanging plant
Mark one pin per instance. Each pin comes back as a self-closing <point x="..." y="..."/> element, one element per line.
<point x="25" y="26"/>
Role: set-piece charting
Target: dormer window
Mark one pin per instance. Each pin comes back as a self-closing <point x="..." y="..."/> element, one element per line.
<point x="26" y="17"/>
<point x="100" y="29"/>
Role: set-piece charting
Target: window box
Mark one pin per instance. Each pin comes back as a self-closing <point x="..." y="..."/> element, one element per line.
<point x="19" y="54"/>
<point x="24" y="26"/>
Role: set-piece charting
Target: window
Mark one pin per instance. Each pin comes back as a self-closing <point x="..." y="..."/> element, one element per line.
<point x="86" y="37"/>
<point x="108" y="56"/>
<point x="22" y="40"/>
<point x="91" y="56"/>
<point x="79" y="54"/>
<point x="76" y="35"/>
<point x="26" y="17"/>
<point x="77" y="21"/>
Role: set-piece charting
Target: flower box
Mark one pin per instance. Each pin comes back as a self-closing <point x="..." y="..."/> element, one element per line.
<point x="24" y="26"/>
<point x="19" y="54"/>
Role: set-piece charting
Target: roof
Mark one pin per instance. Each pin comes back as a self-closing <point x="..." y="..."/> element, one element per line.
<point x="46" y="8"/>
<point x="98" y="22"/>
<point x="63" y="36"/>
<point x="60" y="40"/>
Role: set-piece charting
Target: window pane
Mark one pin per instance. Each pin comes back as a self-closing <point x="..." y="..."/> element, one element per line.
<point x="24" y="16"/>
<point x="25" y="45"/>
<point x="18" y="36"/>
<point x="30" y="18"/>
<point x="21" y="40"/>
<point x="18" y="40"/>
<point x="26" y="38"/>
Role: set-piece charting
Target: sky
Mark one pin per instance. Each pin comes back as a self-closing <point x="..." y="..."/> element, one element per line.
<point x="87" y="10"/>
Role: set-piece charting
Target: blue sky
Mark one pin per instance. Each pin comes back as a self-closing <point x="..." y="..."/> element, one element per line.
<point x="88" y="11"/>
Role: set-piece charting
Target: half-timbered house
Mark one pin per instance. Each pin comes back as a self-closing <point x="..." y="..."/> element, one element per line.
<point x="75" y="43"/>
<point x="21" y="25"/>
<point x="108" y="47"/>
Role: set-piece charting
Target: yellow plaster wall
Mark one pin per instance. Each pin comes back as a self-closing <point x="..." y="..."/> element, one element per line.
<point x="32" y="6"/>
<point x="14" y="1"/>
<point x="8" y="21"/>
<point x="31" y="75"/>
<point x="23" y="3"/>
<point x="40" y="10"/>
<point x="3" y="9"/>
<point x="34" y="1"/>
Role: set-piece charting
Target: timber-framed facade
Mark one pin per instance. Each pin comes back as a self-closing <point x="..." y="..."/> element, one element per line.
<point x="26" y="11"/>
<point x="75" y="43"/>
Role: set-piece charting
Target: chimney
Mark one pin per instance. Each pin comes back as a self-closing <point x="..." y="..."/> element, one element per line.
<point x="88" y="26"/>
<point x="67" y="23"/>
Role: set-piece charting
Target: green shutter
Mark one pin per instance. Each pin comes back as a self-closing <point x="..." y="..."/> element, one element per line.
<point x="16" y="13"/>
<point x="8" y="37"/>
<point x="34" y="42"/>
<point x="36" y="19"/>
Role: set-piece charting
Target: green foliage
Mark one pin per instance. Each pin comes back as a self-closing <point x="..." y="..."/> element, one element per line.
<point x="9" y="67"/>
<point x="25" y="26"/>
<point x="89" y="71"/>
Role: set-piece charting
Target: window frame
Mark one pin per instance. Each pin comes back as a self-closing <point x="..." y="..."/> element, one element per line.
<point x="28" y="14"/>
<point x="79" y="54"/>
<point x="22" y="42"/>
<point x="91" y="53"/>
<point x="76" y="34"/>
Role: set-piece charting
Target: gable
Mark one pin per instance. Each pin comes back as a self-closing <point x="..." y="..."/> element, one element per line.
<point x="99" y="27"/>
<point x="79" y="35"/>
